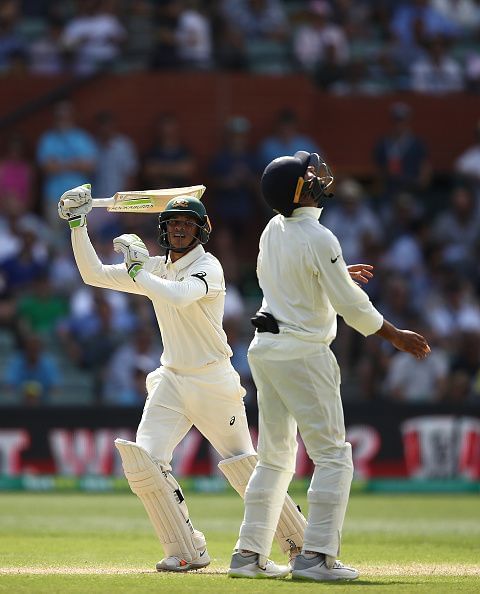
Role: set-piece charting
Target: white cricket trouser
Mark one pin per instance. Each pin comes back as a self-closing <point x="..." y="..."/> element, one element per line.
<point x="298" y="384"/>
<point x="211" y="398"/>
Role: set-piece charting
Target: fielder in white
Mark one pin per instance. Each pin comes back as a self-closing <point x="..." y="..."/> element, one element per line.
<point x="305" y="284"/>
<point x="195" y="384"/>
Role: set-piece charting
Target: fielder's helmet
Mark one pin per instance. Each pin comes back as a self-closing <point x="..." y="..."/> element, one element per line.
<point x="283" y="184"/>
<point x="187" y="205"/>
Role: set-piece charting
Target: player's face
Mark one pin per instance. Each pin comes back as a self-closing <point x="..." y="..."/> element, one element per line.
<point x="182" y="231"/>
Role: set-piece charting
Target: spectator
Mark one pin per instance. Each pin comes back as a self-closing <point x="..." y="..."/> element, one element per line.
<point x="94" y="37"/>
<point x="464" y="13"/>
<point x="467" y="165"/>
<point x="12" y="45"/>
<point x="136" y="393"/>
<point x="168" y="163"/>
<point x="406" y="381"/>
<point x="413" y="21"/>
<point x="458" y="229"/>
<point x="319" y="40"/>
<point x="164" y="54"/>
<point x="46" y="54"/>
<point x="464" y="370"/>
<point x="31" y="374"/>
<point x="66" y="156"/>
<point x="140" y="27"/>
<point x="401" y="157"/>
<point x="116" y="168"/>
<point x="17" y="174"/>
<point x="120" y="375"/>
<point x="40" y="309"/>
<point x="352" y="220"/>
<point x="91" y="340"/>
<point x="455" y="311"/>
<point x="194" y="37"/>
<point x="257" y="19"/>
<point x="13" y="221"/>
<point x="233" y="171"/>
<point x="436" y="73"/>
<point x="285" y="139"/>
<point x="28" y="263"/>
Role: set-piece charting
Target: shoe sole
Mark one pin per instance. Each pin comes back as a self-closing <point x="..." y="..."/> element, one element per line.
<point x="256" y="576"/>
<point x="305" y="578"/>
<point x="189" y="567"/>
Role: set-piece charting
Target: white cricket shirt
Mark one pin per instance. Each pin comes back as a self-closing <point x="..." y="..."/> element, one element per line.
<point x="305" y="281"/>
<point x="188" y="298"/>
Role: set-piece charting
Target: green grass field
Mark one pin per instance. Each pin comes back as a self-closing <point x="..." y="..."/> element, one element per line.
<point x="91" y="543"/>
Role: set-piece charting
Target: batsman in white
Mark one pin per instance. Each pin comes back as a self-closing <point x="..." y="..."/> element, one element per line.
<point x="195" y="384"/>
<point x="305" y="284"/>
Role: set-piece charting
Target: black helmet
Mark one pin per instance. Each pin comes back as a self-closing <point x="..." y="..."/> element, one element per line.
<point x="283" y="184"/>
<point x="184" y="205"/>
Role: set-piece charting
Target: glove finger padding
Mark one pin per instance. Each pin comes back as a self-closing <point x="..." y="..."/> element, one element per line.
<point x="134" y="251"/>
<point x="81" y="197"/>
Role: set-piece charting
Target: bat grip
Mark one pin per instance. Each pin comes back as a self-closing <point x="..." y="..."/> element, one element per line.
<point x="96" y="203"/>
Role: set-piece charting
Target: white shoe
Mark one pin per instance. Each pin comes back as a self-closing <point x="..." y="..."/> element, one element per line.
<point x="316" y="570"/>
<point x="179" y="564"/>
<point x="248" y="567"/>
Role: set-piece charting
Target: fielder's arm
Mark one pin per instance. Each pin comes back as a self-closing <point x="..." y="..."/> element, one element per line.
<point x="346" y="297"/>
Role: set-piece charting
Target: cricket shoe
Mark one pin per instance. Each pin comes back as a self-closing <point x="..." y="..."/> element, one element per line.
<point x="315" y="570"/>
<point x="178" y="564"/>
<point x="250" y="566"/>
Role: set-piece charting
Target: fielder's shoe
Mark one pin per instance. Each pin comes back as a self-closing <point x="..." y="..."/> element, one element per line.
<point x="315" y="570"/>
<point x="248" y="567"/>
<point x="178" y="564"/>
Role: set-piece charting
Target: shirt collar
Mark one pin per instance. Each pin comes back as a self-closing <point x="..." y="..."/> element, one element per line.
<point x="187" y="259"/>
<point x="307" y="211"/>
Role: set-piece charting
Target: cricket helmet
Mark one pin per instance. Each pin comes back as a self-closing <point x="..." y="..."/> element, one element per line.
<point x="284" y="186"/>
<point x="185" y="205"/>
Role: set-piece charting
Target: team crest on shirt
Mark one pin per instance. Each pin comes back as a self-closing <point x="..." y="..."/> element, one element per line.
<point x="180" y="203"/>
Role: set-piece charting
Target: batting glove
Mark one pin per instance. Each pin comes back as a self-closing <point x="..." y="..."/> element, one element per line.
<point x="134" y="251"/>
<point x="75" y="204"/>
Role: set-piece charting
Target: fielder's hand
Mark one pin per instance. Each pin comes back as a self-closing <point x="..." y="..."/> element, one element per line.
<point x="76" y="215"/>
<point x="134" y="251"/>
<point x="360" y="273"/>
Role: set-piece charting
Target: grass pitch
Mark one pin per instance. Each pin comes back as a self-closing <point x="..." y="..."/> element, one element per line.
<point x="99" y="543"/>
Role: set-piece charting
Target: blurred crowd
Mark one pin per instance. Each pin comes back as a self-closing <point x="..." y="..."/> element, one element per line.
<point x="346" y="46"/>
<point x="62" y="342"/>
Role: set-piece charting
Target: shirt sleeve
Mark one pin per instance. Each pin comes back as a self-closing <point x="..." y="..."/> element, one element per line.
<point x="94" y="272"/>
<point x="204" y="281"/>
<point x="347" y="298"/>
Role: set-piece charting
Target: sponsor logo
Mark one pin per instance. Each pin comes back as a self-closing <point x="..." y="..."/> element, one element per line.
<point x="232" y="421"/>
<point x="333" y="260"/>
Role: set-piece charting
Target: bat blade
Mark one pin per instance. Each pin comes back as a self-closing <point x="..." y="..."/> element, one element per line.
<point x="151" y="200"/>
<point x="143" y="200"/>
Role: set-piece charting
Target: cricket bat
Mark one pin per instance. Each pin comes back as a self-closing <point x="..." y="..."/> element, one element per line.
<point x="142" y="200"/>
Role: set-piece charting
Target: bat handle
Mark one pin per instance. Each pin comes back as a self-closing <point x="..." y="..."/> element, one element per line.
<point x="96" y="203"/>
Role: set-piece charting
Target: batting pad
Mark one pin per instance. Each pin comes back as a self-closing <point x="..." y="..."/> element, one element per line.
<point x="291" y="525"/>
<point x="163" y="500"/>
